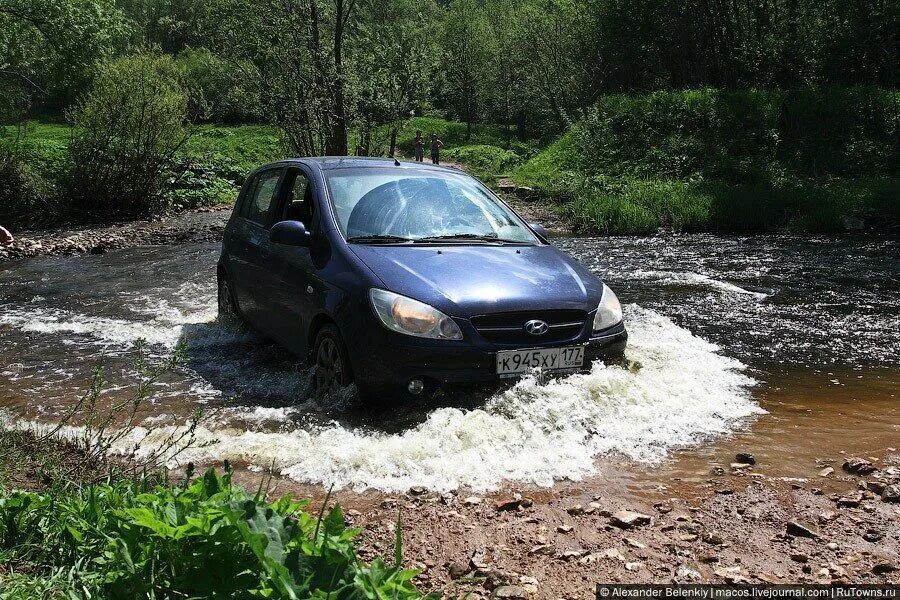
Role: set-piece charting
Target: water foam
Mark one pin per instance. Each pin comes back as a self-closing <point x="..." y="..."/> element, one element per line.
<point x="696" y="279"/>
<point x="683" y="393"/>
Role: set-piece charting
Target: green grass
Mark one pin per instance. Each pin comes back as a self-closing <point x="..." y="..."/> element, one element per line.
<point x="204" y="538"/>
<point x="484" y="161"/>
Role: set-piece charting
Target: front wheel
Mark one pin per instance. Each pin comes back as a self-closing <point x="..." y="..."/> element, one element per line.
<point x="332" y="363"/>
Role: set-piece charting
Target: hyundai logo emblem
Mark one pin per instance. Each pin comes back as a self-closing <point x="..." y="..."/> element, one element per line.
<point x="536" y="327"/>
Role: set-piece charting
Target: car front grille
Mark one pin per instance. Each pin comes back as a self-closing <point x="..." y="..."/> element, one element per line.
<point x="509" y="327"/>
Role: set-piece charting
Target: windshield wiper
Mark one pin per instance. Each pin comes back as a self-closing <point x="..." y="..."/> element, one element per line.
<point x="377" y="239"/>
<point x="463" y="237"/>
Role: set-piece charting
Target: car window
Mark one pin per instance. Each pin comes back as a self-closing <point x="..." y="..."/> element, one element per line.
<point x="299" y="205"/>
<point x="419" y="204"/>
<point x="262" y="195"/>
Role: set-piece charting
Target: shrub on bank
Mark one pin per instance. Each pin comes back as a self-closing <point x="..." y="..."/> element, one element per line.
<point x="127" y="131"/>
<point x="484" y="161"/>
<point x="204" y="538"/>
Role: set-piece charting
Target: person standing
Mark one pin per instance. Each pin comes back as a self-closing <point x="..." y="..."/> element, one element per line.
<point x="419" y="143"/>
<point x="436" y="146"/>
<point x="6" y="238"/>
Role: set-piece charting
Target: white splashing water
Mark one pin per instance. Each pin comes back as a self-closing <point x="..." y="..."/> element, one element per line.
<point x="696" y="279"/>
<point x="683" y="393"/>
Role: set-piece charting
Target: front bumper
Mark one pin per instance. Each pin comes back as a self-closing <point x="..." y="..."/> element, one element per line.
<point x="391" y="360"/>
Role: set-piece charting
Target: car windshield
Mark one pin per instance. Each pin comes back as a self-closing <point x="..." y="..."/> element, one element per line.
<point x="404" y="205"/>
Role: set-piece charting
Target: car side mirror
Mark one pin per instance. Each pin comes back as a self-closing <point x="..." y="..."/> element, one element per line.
<point x="290" y="233"/>
<point x="540" y="230"/>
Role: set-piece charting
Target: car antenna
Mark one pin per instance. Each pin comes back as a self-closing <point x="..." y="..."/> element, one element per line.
<point x="396" y="162"/>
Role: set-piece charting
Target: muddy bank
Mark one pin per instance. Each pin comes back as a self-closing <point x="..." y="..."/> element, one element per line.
<point x="738" y="526"/>
<point x="203" y="225"/>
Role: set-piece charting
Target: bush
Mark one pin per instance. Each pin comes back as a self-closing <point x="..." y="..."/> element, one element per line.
<point x="127" y="131"/>
<point x="205" y="538"/>
<point x="25" y="196"/>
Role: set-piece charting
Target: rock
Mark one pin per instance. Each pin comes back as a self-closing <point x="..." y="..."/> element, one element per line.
<point x="712" y="538"/>
<point x="876" y="487"/>
<point x="627" y="519"/>
<point x="831" y="546"/>
<point x="853" y="223"/>
<point x="745" y="458"/>
<point x="508" y="503"/>
<point x="891" y="493"/>
<point x="687" y="572"/>
<point x="523" y="191"/>
<point x="799" y="557"/>
<point x="472" y="501"/>
<point x="633" y="566"/>
<point x="802" y="529"/>
<point x="663" y="507"/>
<point x="826" y="472"/>
<point x="873" y="535"/>
<point x="457" y="569"/>
<point x="827" y="516"/>
<point x="564" y="528"/>
<point x="731" y="575"/>
<point x="740" y="466"/>
<point x="858" y="466"/>
<point x="570" y="554"/>
<point x="613" y="553"/>
<point x="848" y="502"/>
<point x="634" y="543"/>
<point x="417" y="490"/>
<point x="575" y="510"/>
<point x="510" y="591"/>
<point x="546" y="549"/>
<point x="883" y="568"/>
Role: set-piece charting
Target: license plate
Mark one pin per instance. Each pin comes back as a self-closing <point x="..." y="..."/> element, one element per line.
<point x="513" y="363"/>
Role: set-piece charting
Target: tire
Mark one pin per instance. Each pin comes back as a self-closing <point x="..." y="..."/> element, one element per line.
<point x="227" y="306"/>
<point x="331" y="361"/>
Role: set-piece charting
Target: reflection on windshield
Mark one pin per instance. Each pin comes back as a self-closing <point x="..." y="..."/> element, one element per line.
<point x="372" y="203"/>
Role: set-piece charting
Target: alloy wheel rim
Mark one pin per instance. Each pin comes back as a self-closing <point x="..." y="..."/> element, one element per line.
<point x="225" y="304"/>
<point x="329" y="366"/>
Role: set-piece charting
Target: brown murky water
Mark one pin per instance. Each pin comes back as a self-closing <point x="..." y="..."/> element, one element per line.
<point x="786" y="347"/>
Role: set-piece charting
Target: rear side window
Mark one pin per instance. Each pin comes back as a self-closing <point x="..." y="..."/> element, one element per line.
<point x="262" y="195"/>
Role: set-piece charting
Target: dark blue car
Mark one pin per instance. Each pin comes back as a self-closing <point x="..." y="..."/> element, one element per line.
<point x="403" y="278"/>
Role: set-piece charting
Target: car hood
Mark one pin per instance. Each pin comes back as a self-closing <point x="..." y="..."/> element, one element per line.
<point x="463" y="281"/>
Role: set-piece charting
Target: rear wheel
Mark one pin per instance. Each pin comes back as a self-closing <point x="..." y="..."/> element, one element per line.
<point x="331" y="361"/>
<point x="227" y="306"/>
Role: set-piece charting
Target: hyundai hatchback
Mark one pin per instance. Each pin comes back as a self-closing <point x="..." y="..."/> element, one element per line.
<point x="403" y="278"/>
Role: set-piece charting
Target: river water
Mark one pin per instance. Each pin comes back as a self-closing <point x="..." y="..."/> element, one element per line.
<point x="785" y="345"/>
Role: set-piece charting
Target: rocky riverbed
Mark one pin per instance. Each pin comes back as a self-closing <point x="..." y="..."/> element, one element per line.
<point x="738" y="526"/>
<point x="202" y="225"/>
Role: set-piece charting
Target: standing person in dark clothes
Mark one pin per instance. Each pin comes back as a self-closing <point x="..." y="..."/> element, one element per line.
<point x="6" y="237"/>
<point x="419" y="143"/>
<point x="436" y="146"/>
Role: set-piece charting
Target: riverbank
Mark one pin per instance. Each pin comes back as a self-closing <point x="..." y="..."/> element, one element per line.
<point x="737" y="525"/>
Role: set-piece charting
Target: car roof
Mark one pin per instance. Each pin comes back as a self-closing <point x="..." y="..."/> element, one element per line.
<point x="328" y="163"/>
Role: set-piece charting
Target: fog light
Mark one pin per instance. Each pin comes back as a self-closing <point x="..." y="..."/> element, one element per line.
<point x="415" y="387"/>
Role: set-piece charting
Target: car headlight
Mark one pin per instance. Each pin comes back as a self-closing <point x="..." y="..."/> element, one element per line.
<point x="411" y="317"/>
<point x="609" y="312"/>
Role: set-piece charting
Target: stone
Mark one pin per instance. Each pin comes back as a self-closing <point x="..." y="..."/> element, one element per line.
<point x="626" y="519"/>
<point x="633" y="566"/>
<point x="848" y="502"/>
<point x="827" y="516"/>
<point x="740" y="466"/>
<point x="883" y="568"/>
<point x="687" y="572"/>
<point x="570" y="554"/>
<point x="745" y="458"/>
<point x="826" y="472"/>
<point x="546" y="549"/>
<point x="472" y="501"/>
<point x="712" y="538"/>
<point x="564" y="528"/>
<point x="575" y="510"/>
<point x="876" y="487"/>
<point x="634" y="543"/>
<point x="508" y="503"/>
<point x="417" y="490"/>
<point x="510" y="591"/>
<point x="858" y="466"/>
<point x="799" y="557"/>
<point x="891" y="493"/>
<point x="457" y="569"/>
<point x="832" y="546"/>
<point x="873" y="535"/>
<point x="802" y="529"/>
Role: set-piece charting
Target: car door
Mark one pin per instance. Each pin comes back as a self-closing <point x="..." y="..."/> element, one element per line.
<point x="292" y="269"/>
<point x="252" y="247"/>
